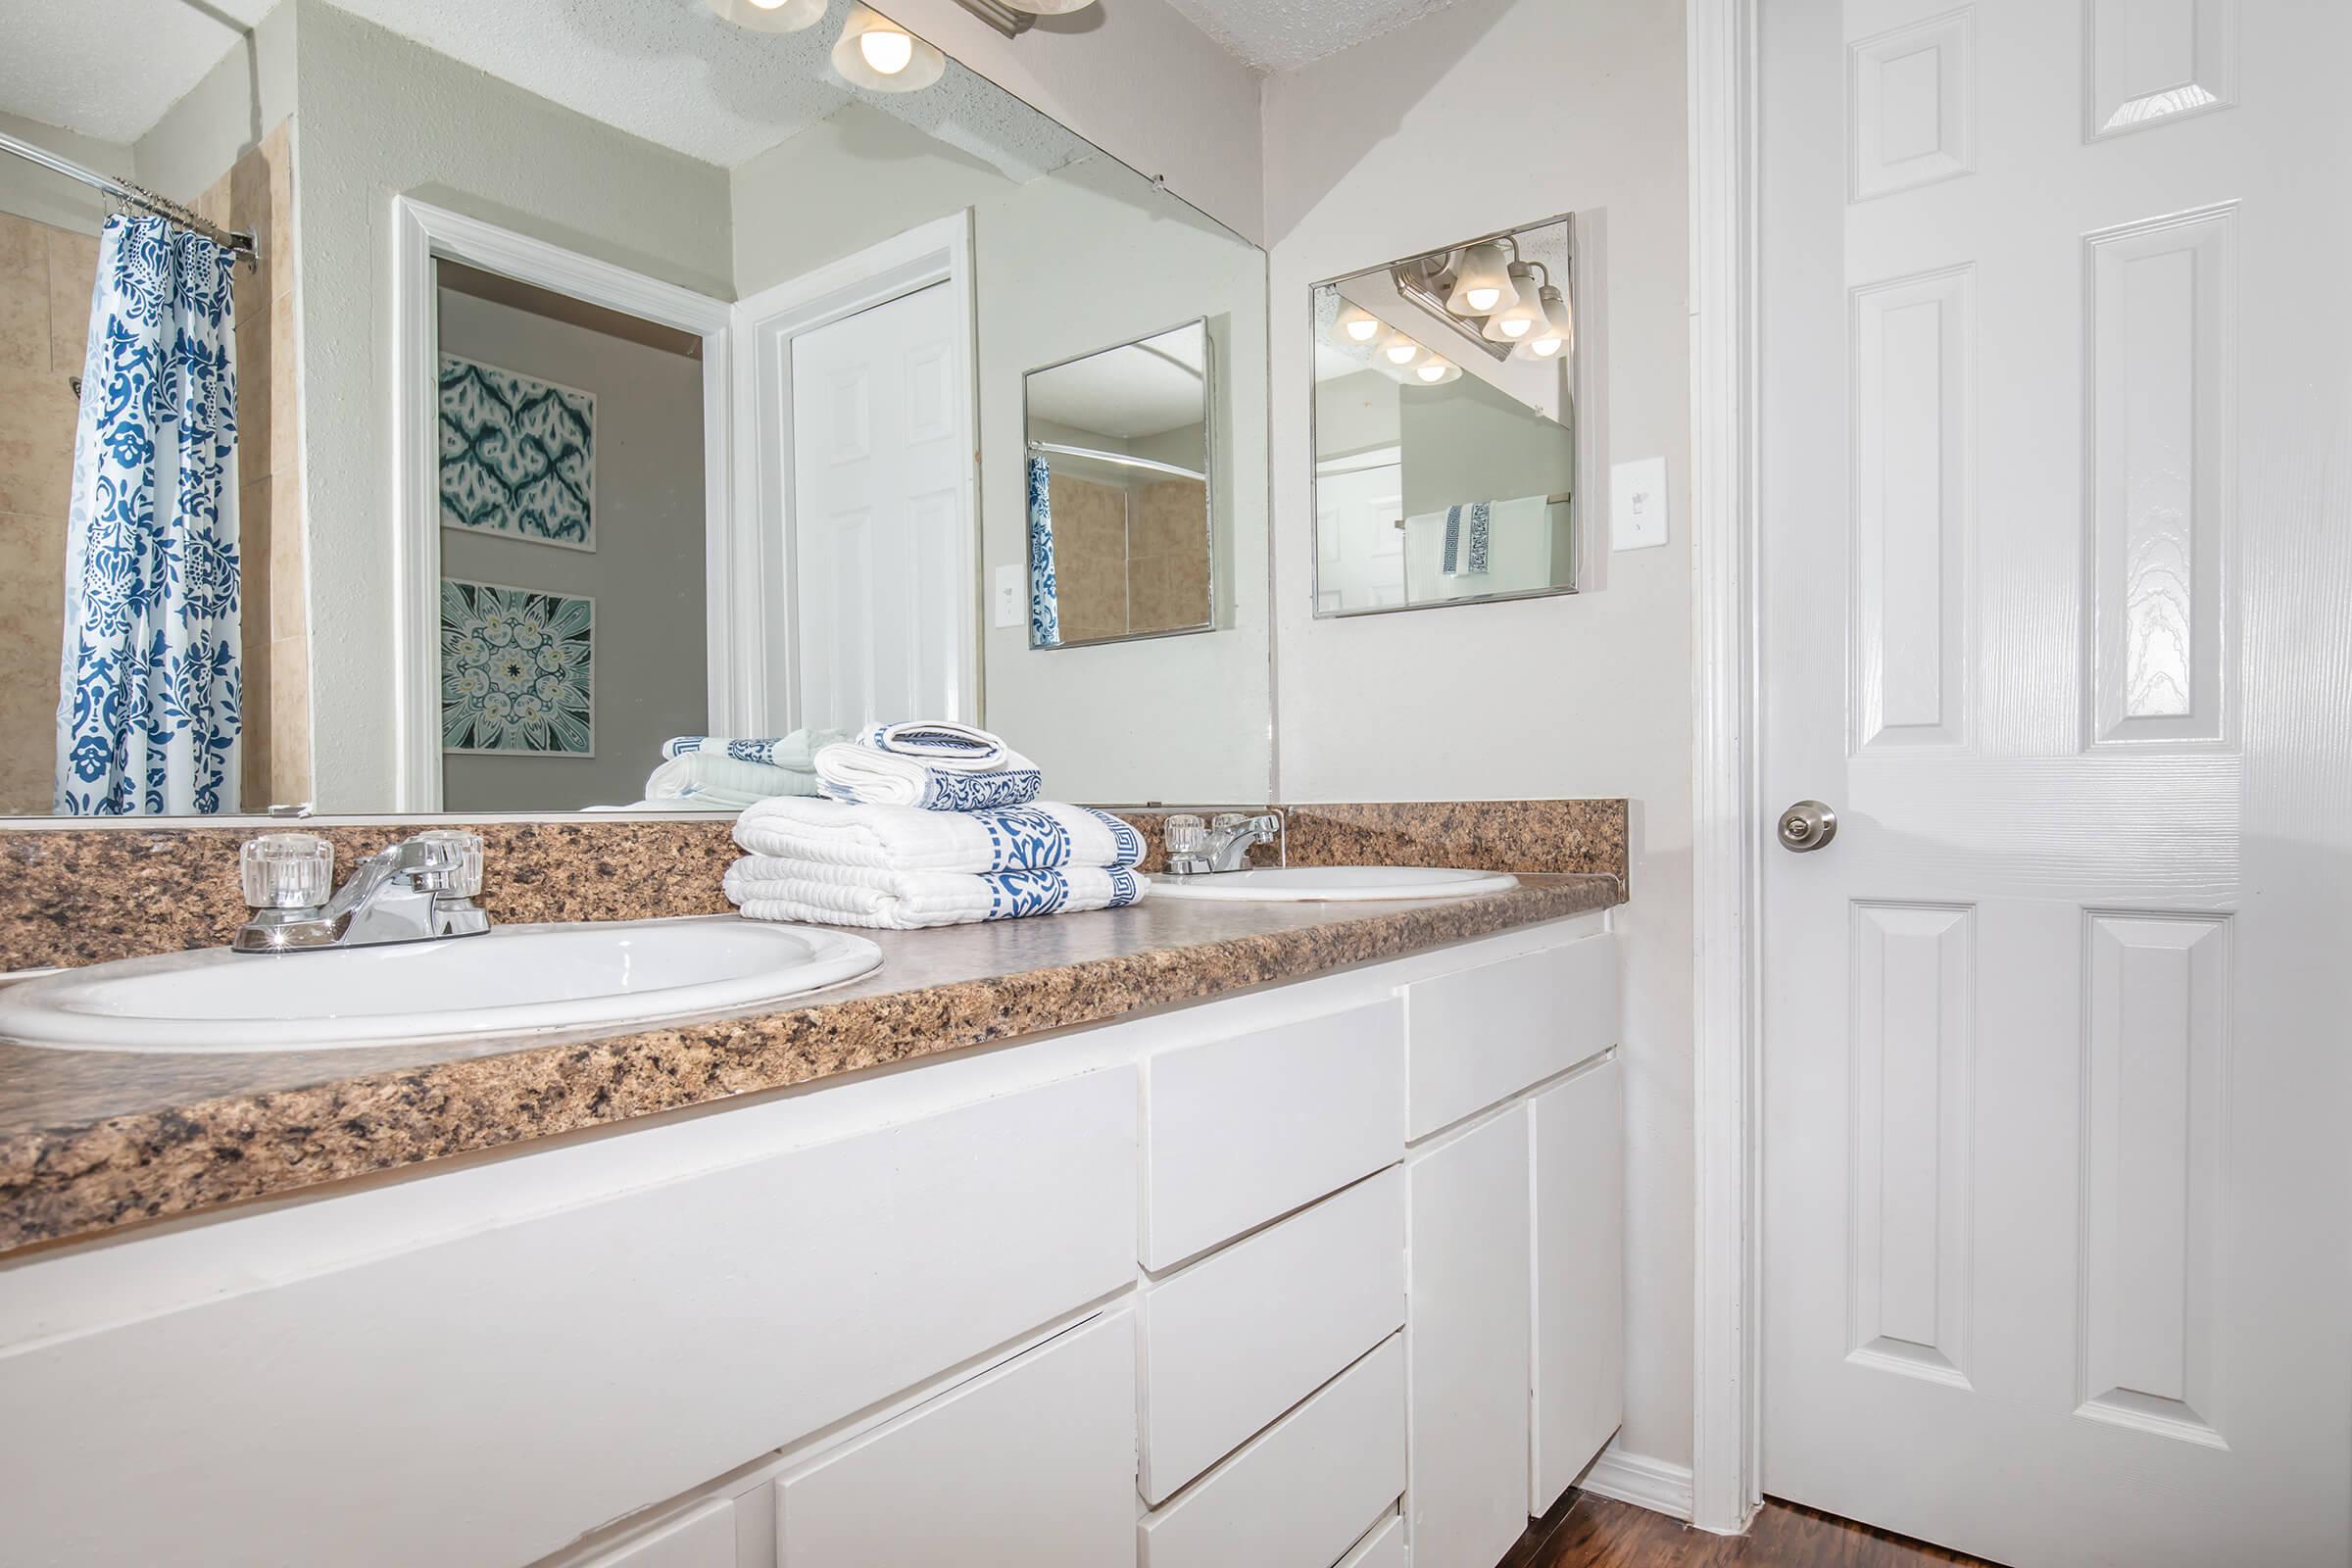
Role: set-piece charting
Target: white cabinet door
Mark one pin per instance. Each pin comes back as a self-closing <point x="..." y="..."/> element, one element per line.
<point x="1579" y="1359"/>
<point x="1030" y="1465"/>
<point x="703" y="1538"/>
<point x="1467" y="1332"/>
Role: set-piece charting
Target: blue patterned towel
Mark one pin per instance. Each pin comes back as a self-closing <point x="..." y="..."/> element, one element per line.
<point x="941" y="744"/>
<point x="1050" y="836"/>
<point x="932" y="768"/>
<point x="796" y="891"/>
<point x="796" y="751"/>
<point x="1480" y="518"/>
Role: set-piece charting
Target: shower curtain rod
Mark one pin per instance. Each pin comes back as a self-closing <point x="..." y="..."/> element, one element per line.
<point x="1119" y="457"/>
<point x="123" y="190"/>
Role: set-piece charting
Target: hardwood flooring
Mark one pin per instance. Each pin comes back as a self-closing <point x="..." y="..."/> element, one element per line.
<point x="1589" y="1532"/>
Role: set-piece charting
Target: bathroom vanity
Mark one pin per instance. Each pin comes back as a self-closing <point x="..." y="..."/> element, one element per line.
<point x="1321" y="1262"/>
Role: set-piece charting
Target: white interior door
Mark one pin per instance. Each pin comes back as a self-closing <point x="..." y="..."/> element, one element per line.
<point x="2056" y="565"/>
<point x="881" y="561"/>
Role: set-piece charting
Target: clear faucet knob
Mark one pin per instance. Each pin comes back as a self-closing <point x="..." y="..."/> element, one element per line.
<point x="453" y="862"/>
<point x="287" y="872"/>
<point x="1187" y="834"/>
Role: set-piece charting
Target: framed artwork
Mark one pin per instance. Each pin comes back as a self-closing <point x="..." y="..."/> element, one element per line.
<point x="518" y="456"/>
<point x="518" y="671"/>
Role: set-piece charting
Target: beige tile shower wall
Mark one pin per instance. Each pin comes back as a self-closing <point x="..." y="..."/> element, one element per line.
<point x="1167" y="570"/>
<point x="45" y="278"/>
<point x="256" y="197"/>
<point x="1090" y="558"/>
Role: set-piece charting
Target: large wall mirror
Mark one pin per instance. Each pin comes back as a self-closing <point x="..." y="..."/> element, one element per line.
<point x="405" y="413"/>
<point x="1446" y="426"/>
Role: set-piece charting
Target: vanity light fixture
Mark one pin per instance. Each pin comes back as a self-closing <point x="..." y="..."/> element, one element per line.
<point x="880" y="56"/>
<point x="1560" y="331"/>
<point x="1481" y="281"/>
<point x="1522" y="318"/>
<point x="1436" y="372"/>
<point x="1400" y="351"/>
<point x="771" y="15"/>
<point x="1013" y="18"/>
<point x="1359" y="325"/>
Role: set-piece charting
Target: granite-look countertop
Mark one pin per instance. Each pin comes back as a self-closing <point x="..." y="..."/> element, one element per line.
<point x="91" y="1141"/>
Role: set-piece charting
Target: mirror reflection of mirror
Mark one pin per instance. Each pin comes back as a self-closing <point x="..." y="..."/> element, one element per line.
<point x="1120" y="533"/>
<point x="454" y="534"/>
<point x="1445" y="432"/>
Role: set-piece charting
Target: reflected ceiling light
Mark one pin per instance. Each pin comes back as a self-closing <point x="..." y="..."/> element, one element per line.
<point x="771" y="15"/>
<point x="1436" y="372"/>
<point x="1401" y="350"/>
<point x="1482" y="282"/>
<point x="880" y="56"/>
<point x="1359" y="325"/>
<point x="1559" y="326"/>
<point x="1522" y="318"/>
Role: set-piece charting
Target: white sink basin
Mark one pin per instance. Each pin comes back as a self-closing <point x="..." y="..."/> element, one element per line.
<point x="1306" y="884"/>
<point x="520" y="978"/>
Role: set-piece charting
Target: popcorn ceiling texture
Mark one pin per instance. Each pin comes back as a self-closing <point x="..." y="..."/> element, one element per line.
<point x="1285" y="34"/>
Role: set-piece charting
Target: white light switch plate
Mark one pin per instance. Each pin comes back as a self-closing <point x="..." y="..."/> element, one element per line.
<point x="1637" y="508"/>
<point x="1008" y="596"/>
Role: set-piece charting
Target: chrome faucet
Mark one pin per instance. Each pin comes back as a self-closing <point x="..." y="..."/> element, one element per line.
<point x="418" y="890"/>
<point x="1198" y="849"/>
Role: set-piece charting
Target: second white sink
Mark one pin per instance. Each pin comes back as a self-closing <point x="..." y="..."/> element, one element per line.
<point x="513" y="979"/>
<point x="1306" y="884"/>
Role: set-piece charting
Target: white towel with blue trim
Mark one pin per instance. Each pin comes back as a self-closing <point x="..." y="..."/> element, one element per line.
<point x="931" y="767"/>
<point x="797" y="890"/>
<point x="716" y="781"/>
<point x="1046" y="836"/>
<point x="796" y="751"/>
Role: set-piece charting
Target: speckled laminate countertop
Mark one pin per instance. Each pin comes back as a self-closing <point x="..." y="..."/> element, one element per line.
<point x="94" y="1141"/>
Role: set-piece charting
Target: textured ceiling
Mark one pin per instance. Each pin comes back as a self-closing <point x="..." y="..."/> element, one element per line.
<point x="109" y="69"/>
<point x="1285" y="34"/>
<point x="668" y="70"/>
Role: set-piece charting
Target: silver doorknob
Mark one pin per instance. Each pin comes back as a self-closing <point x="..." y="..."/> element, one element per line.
<point x="1806" y="826"/>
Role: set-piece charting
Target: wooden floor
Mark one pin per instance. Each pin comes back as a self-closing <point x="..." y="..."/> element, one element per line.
<point x="1589" y="1532"/>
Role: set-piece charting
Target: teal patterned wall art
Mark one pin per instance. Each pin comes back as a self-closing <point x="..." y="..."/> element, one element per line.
<point x="517" y="455"/>
<point x="518" y="670"/>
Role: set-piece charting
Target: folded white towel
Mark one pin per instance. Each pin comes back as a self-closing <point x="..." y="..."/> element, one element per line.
<point x="902" y="838"/>
<point x="796" y="751"/>
<point x="768" y="889"/>
<point x="861" y="775"/>
<point x="950" y="748"/>
<point x="720" y="782"/>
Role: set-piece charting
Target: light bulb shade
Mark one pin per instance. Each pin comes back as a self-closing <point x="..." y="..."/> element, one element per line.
<point x="1436" y="372"/>
<point x="1047" y="8"/>
<point x="1400" y="351"/>
<point x="771" y="15"/>
<point x="1557" y="314"/>
<point x="856" y="58"/>
<point x="1357" y="324"/>
<point x="1558" y="333"/>
<point x="1522" y="318"/>
<point x="1482" y="282"/>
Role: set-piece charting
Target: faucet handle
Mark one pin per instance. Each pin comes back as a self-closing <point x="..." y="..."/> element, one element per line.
<point x="448" y="860"/>
<point x="286" y="871"/>
<point x="1185" y="834"/>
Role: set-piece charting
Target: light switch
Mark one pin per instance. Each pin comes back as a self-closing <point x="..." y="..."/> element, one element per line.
<point x="1008" y="596"/>
<point x="1637" y="508"/>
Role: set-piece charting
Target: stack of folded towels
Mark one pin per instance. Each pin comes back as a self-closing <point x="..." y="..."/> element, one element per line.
<point x="712" y="772"/>
<point x="927" y="826"/>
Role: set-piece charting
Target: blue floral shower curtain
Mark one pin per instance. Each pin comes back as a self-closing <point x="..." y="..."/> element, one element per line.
<point x="1045" y="595"/>
<point x="150" y="686"/>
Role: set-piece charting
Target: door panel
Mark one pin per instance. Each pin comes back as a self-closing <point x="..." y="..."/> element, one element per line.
<point x="2056" y="549"/>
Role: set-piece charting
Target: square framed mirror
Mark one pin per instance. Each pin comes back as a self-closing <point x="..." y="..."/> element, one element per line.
<point x="1122" y="526"/>
<point x="1444" y="427"/>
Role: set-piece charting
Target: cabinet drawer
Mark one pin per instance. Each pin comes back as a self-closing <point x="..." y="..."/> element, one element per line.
<point x="1030" y="1465"/>
<point x="1241" y="1336"/>
<point x="1481" y="1035"/>
<point x="1303" y="1491"/>
<point x="1239" y="1131"/>
<point x="1382" y="1549"/>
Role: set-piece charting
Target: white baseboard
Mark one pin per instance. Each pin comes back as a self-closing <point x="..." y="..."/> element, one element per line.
<point x="1640" y="1479"/>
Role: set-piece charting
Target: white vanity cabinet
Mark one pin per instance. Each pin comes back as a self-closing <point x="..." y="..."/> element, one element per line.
<point x="1317" y="1274"/>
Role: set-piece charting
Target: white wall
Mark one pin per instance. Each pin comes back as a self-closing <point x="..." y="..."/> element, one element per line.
<point x="237" y="103"/>
<point x="1087" y="258"/>
<point x="1488" y="115"/>
<point x="382" y="116"/>
<point x="30" y="191"/>
<point x="1135" y="78"/>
